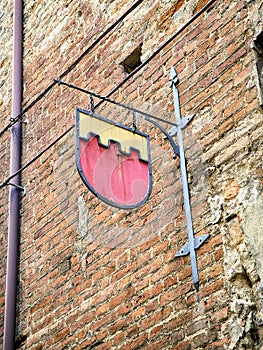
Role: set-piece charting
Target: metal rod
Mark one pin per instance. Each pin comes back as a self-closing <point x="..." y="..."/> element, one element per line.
<point x="107" y="99"/>
<point x="15" y="192"/>
<point x="187" y="206"/>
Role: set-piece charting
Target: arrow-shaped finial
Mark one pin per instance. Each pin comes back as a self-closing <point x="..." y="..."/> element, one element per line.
<point x="173" y="77"/>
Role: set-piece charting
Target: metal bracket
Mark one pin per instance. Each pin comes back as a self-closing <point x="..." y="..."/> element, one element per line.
<point x="166" y="133"/>
<point x="183" y="124"/>
<point x="23" y="189"/>
<point x="185" y="250"/>
<point x="193" y="242"/>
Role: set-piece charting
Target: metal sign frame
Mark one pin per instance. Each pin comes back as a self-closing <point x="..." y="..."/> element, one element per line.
<point x="193" y="243"/>
<point x="121" y="153"/>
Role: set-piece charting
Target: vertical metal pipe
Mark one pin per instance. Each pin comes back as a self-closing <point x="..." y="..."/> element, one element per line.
<point x="14" y="194"/>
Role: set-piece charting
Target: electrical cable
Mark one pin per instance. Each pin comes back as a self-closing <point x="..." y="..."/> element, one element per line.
<point x="5" y="182"/>
<point x="107" y="31"/>
<point x="159" y="49"/>
<point x="72" y="66"/>
<point x="19" y="116"/>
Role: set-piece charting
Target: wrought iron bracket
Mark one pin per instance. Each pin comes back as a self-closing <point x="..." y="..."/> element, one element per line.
<point x="166" y="133"/>
<point x="193" y="242"/>
<point x="185" y="250"/>
<point x="183" y="123"/>
<point x="16" y="120"/>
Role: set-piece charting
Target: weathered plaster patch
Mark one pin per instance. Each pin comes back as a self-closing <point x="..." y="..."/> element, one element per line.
<point x="253" y="231"/>
<point x="243" y="261"/>
<point x="216" y="208"/>
<point x="83" y="217"/>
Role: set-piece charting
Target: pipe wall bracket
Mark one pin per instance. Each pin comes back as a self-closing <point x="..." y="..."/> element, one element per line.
<point x="23" y="189"/>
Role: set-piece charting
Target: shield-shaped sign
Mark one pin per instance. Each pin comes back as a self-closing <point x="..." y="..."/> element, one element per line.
<point x="113" y="160"/>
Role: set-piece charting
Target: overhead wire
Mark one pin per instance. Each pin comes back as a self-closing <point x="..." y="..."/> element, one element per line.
<point x="71" y="67"/>
<point x="159" y="49"/>
<point x="19" y="116"/>
<point x="6" y="181"/>
<point x="57" y="81"/>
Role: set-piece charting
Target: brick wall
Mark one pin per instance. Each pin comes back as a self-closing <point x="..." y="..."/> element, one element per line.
<point x="95" y="277"/>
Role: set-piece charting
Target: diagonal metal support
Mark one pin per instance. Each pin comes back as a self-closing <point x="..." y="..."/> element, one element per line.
<point x="172" y="143"/>
<point x="193" y="243"/>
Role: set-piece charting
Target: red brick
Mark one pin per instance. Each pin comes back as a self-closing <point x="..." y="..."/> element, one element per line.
<point x="136" y="295"/>
<point x="117" y="326"/>
<point x="122" y="297"/>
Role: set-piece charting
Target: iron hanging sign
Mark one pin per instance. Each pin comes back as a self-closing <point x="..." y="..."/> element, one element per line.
<point x="113" y="160"/>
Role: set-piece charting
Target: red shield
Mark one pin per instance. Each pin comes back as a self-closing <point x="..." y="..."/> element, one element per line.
<point x="113" y="160"/>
